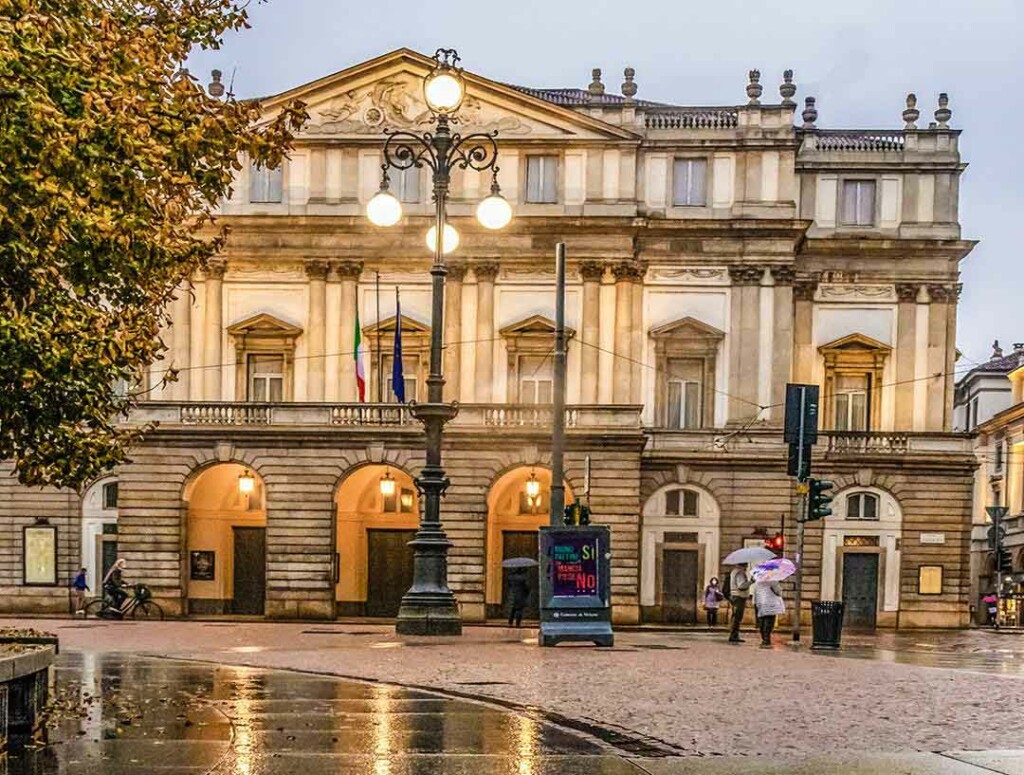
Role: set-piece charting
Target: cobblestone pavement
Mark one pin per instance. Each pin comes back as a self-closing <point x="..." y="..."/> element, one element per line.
<point x="876" y="707"/>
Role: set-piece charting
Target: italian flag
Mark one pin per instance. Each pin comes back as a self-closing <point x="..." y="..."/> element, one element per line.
<point x="358" y="352"/>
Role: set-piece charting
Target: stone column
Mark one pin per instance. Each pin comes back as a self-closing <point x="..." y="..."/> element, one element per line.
<point x="214" y="331"/>
<point x="316" y="331"/>
<point x="348" y="272"/>
<point x="906" y="355"/>
<point x="182" y="337"/>
<point x="951" y="315"/>
<point x="637" y="368"/>
<point x="626" y="274"/>
<point x="590" y="339"/>
<point x="938" y="311"/>
<point x="453" y="330"/>
<point x="486" y="272"/>
<point x="803" y="330"/>
<point x="744" y="334"/>
<point x="782" y="339"/>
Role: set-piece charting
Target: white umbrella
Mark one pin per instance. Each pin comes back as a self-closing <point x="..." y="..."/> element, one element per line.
<point x="749" y="554"/>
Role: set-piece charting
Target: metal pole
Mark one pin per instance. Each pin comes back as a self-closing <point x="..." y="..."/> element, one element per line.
<point x="429" y="607"/>
<point x="801" y="519"/>
<point x="558" y="411"/>
<point x="380" y="355"/>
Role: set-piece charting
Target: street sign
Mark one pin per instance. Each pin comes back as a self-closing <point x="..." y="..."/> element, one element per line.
<point x="996" y="513"/>
<point x="801" y="424"/>
<point x="996" y="533"/>
<point x="799" y="464"/>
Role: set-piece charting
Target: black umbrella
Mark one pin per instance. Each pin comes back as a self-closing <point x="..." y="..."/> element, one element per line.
<point x="520" y="562"/>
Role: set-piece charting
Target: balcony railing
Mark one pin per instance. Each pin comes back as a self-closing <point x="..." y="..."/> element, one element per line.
<point x="856" y="140"/>
<point x="693" y="118"/>
<point x="768" y="443"/>
<point x="867" y="442"/>
<point x="511" y="416"/>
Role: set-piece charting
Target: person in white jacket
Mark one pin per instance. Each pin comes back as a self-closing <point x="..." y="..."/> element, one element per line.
<point x="769" y="603"/>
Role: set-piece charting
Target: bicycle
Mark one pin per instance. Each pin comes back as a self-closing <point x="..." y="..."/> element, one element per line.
<point x="139" y="606"/>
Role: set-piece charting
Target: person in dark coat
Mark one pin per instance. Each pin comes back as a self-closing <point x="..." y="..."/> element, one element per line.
<point x="518" y="594"/>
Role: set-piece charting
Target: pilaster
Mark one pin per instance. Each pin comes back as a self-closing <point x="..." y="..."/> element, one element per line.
<point x="486" y="272"/>
<point x="214" y="331"/>
<point x="803" y="329"/>
<point x="744" y="333"/>
<point x="782" y="338"/>
<point x="906" y="354"/>
<point x="453" y="330"/>
<point x="590" y="273"/>
<point x="626" y="274"/>
<point x="316" y="331"/>
<point x="348" y="273"/>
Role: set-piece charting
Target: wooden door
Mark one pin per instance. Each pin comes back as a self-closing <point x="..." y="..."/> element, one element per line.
<point x="521" y="543"/>
<point x="389" y="570"/>
<point x="679" y="586"/>
<point x="250" y="570"/>
<point x="860" y="590"/>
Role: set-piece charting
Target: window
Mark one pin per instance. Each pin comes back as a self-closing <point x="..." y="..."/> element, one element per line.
<point x="265" y="184"/>
<point x="542" y="179"/>
<point x="410" y="368"/>
<point x="999" y="456"/>
<point x="851" y="403"/>
<point x="929" y="580"/>
<point x="110" y="495"/>
<point x="406" y="185"/>
<point x="535" y="379"/>
<point x="686" y="499"/>
<point x="972" y="415"/>
<point x="39" y="555"/>
<point x="858" y="203"/>
<point x="689" y="183"/>
<point x="683" y="404"/>
<point x="862" y="505"/>
<point x="266" y="378"/>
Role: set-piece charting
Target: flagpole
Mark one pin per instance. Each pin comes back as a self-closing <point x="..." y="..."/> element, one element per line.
<point x="380" y="355"/>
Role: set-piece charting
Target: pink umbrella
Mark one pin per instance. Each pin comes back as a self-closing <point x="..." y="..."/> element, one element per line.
<point x="990" y="599"/>
<point x="773" y="570"/>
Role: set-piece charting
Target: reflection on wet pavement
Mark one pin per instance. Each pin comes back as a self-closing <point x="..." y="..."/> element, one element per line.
<point x="164" y="716"/>
<point x="972" y="650"/>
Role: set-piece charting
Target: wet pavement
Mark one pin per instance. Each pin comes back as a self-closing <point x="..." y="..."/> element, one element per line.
<point x="169" y="716"/>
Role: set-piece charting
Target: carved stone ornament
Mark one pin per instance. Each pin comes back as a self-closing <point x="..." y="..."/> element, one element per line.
<point x="906" y="293"/>
<point x="857" y="292"/>
<point x="783" y="275"/>
<point x="591" y="271"/>
<point x="803" y="289"/>
<point x="628" y="271"/>
<point x="688" y="274"/>
<point x="943" y="293"/>
<point x="746" y="275"/>
<point x="348" y="269"/>
<point x="397" y="102"/>
<point x="215" y="269"/>
<point x="486" y="270"/>
<point x="317" y="269"/>
<point x="456" y="271"/>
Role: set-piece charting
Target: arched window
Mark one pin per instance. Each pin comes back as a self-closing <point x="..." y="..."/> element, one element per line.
<point x="682" y="502"/>
<point x="862" y="505"/>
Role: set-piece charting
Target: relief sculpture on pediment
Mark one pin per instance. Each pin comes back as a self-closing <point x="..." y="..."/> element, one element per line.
<point x="396" y="103"/>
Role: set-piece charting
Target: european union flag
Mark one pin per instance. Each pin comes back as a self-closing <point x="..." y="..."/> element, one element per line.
<point x="397" y="374"/>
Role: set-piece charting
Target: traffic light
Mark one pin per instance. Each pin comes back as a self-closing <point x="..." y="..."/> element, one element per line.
<point x="776" y="543"/>
<point x="818" y="499"/>
<point x="1004" y="562"/>
<point x="576" y="514"/>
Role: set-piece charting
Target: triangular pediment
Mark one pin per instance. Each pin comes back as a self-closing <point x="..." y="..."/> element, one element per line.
<point x="854" y="342"/>
<point x="263" y="324"/>
<point x="687" y="326"/>
<point x="535" y="325"/>
<point x="386" y="93"/>
<point x="387" y="326"/>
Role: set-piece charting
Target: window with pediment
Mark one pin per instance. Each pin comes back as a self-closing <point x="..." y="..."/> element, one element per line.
<point x="264" y="358"/>
<point x="530" y="344"/>
<point x="415" y="358"/>
<point x="854" y="366"/>
<point x="685" y="354"/>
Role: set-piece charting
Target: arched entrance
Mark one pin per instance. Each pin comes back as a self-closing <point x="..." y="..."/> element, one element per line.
<point x="226" y="544"/>
<point x="99" y="531"/>
<point x="378" y="513"/>
<point x="679" y="553"/>
<point x="860" y="559"/>
<point x="517" y="506"/>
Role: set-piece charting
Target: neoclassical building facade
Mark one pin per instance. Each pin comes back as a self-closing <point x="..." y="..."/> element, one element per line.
<point x="716" y="253"/>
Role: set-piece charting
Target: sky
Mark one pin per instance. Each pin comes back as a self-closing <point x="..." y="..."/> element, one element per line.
<point x="859" y="59"/>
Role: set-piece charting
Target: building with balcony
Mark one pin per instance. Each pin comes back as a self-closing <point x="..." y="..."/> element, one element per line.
<point x="716" y="253"/>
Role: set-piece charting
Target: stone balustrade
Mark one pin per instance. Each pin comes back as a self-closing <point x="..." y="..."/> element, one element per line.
<point x="693" y="118"/>
<point x="769" y="443"/>
<point x="356" y="415"/>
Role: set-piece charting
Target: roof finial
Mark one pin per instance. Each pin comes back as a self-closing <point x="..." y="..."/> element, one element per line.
<point x="787" y="89"/>
<point x="215" y="87"/>
<point x="810" y="114"/>
<point x="628" y="87"/>
<point x="754" y="87"/>
<point x="596" y="88"/>
<point x="911" y="114"/>
<point x="943" y="113"/>
<point x="997" y="351"/>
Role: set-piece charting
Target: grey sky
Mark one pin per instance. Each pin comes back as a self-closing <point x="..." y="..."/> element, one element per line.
<point x="858" y="58"/>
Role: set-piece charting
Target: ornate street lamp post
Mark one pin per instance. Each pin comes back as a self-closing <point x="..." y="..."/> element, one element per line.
<point x="429" y="607"/>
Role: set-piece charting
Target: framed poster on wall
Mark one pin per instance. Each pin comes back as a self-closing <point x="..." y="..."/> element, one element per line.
<point x="40" y="555"/>
<point x="202" y="565"/>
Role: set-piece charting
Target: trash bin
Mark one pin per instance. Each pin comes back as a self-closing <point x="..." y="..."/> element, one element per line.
<point x="827" y="623"/>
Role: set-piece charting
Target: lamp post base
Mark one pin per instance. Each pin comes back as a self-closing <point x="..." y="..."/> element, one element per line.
<point x="429" y="607"/>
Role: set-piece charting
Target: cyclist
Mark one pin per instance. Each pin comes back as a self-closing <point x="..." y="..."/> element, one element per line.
<point x="114" y="586"/>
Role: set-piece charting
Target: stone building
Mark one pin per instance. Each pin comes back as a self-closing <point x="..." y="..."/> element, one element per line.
<point x="715" y="254"/>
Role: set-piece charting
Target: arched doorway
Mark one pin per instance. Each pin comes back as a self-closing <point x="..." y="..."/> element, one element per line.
<point x="518" y="504"/>
<point x="226" y="544"/>
<point x="378" y="513"/>
<point x="679" y="553"/>
<point x="99" y="531"/>
<point x="860" y="559"/>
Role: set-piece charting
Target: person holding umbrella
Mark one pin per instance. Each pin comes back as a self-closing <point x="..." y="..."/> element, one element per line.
<point x="768" y="595"/>
<point x="518" y="587"/>
<point x="739" y="584"/>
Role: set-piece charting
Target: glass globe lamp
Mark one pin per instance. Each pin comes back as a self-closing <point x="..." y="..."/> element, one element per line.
<point x="494" y="212"/>
<point x="384" y="209"/>
<point x="443" y="90"/>
<point x="448" y="244"/>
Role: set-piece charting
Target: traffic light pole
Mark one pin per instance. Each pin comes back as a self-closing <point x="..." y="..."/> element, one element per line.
<point x="801" y="520"/>
<point x="558" y="408"/>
